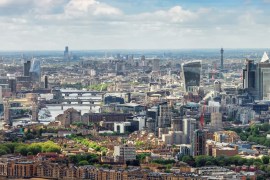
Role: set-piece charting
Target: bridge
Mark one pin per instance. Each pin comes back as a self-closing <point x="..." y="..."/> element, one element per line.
<point x="75" y="100"/>
<point x="80" y="92"/>
<point x="21" y="108"/>
<point x="71" y="105"/>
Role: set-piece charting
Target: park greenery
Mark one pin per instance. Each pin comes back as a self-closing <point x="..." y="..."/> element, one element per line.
<point x="90" y="144"/>
<point x="141" y="157"/>
<point x="255" y="133"/>
<point x="29" y="149"/>
<point x="82" y="160"/>
<point x="99" y="87"/>
<point x="200" y="161"/>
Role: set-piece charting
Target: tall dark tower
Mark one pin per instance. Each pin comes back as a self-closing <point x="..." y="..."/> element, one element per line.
<point x="221" y="58"/>
<point x="26" y="68"/>
<point x="46" y="82"/>
<point x="66" y="54"/>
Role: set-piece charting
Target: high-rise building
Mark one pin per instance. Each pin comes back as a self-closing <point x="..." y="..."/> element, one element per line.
<point x="199" y="143"/>
<point x="1" y="95"/>
<point x="26" y="68"/>
<point x="216" y="121"/>
<point x="66" y="54"/>
<point x="249" y="77"/>
<point x="189" y="126"/>
<point x="164" y="115"/>
<point x="156" y="67"/>
<point x="35" y="111"/>
<point x="191" y="73"/>
<point x="46" y="83"/>
<point x="35" y="70"/>
<point x="221" y="58"/>
<point x="7" y="120"/>
<point x="256" y="77"/>
<point x="12" y="85"/>
<point x="177" y="123"/>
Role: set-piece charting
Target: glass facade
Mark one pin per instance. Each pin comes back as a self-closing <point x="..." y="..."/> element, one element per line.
<point x="191" y="73"/>
<point x="35" y="70"/>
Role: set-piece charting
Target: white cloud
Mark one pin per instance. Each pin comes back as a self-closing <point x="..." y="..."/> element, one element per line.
<point x="92" y="7"/>
<point x="46" y="24"/>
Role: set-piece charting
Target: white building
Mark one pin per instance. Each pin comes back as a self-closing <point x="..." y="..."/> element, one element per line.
<point x="120" y="127"/>
<point x="124" y="153"/>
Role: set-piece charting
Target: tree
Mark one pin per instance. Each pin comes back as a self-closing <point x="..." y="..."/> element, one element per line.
<point x="189" y="160"/>
<point x="2" y="152"/>
<point x="83" y="163"/>
<point x="200" y="161"/>
<point x="22" y="149"/>
<point x="34" y="148"/>
<point x="265" y="159"/>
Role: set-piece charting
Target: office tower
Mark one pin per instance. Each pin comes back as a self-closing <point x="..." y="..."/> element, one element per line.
<point x="199" y="143"/>
<point x="164" y="116"/>
<point x="256" y="78"/>
<point x="189" y="126"/>
<point x="35" y="70"/>
<point x="124" y="153"/>
<point x="155" y="67"/>
<point x="216" y="121"/>
<point x="35" y="111"/>
<point x="7" y="120"/>
<point x="221" y="58"/>
<point x="1" y="95"/>
<point x="26" y="68"/>
<point x="191" y="73"/>
<point x="152" y="116"/>
<point x="142" y="60"/>
<point x="66" y="54"/>
<point x="177" y="123"/>
<point x="12" y="85"/>
<point x="46" y="86"/>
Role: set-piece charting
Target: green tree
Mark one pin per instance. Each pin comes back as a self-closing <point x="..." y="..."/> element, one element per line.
<point x="83" y="163"/>
<point x="265" y="159"/>
<point x="2" y="152"/>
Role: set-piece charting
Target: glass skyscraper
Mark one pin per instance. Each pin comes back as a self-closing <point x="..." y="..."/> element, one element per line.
<point x="35" y="70"/>
<point x="191" y="73"/>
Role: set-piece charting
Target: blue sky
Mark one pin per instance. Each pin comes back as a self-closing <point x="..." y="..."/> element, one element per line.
<point x="133" y="24"/>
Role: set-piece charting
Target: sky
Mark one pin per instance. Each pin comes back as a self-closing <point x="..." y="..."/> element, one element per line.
<point x="133" y="24"/>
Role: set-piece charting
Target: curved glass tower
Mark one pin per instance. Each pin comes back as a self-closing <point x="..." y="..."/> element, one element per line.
<point x="191" y="72"/>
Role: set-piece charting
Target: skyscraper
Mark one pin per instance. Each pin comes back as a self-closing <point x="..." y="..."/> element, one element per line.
<point x="35" y="70"/>
<point x="189" y="126"/>
<point x="156" y="67"/>
<point x="46" y="82"/>
<point x="221" y="58"/>
<point x="256" y="78"/>
<point x="164" y="116"/>
<point x="199" y="143"/>
<point x="191" y="73"/>
<point x="26" y="68"/>
<point x="7" y="120"/>
<point x="66" y="54"/>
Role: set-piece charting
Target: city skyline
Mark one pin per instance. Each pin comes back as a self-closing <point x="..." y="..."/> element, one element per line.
<point x="118" y="24"/>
